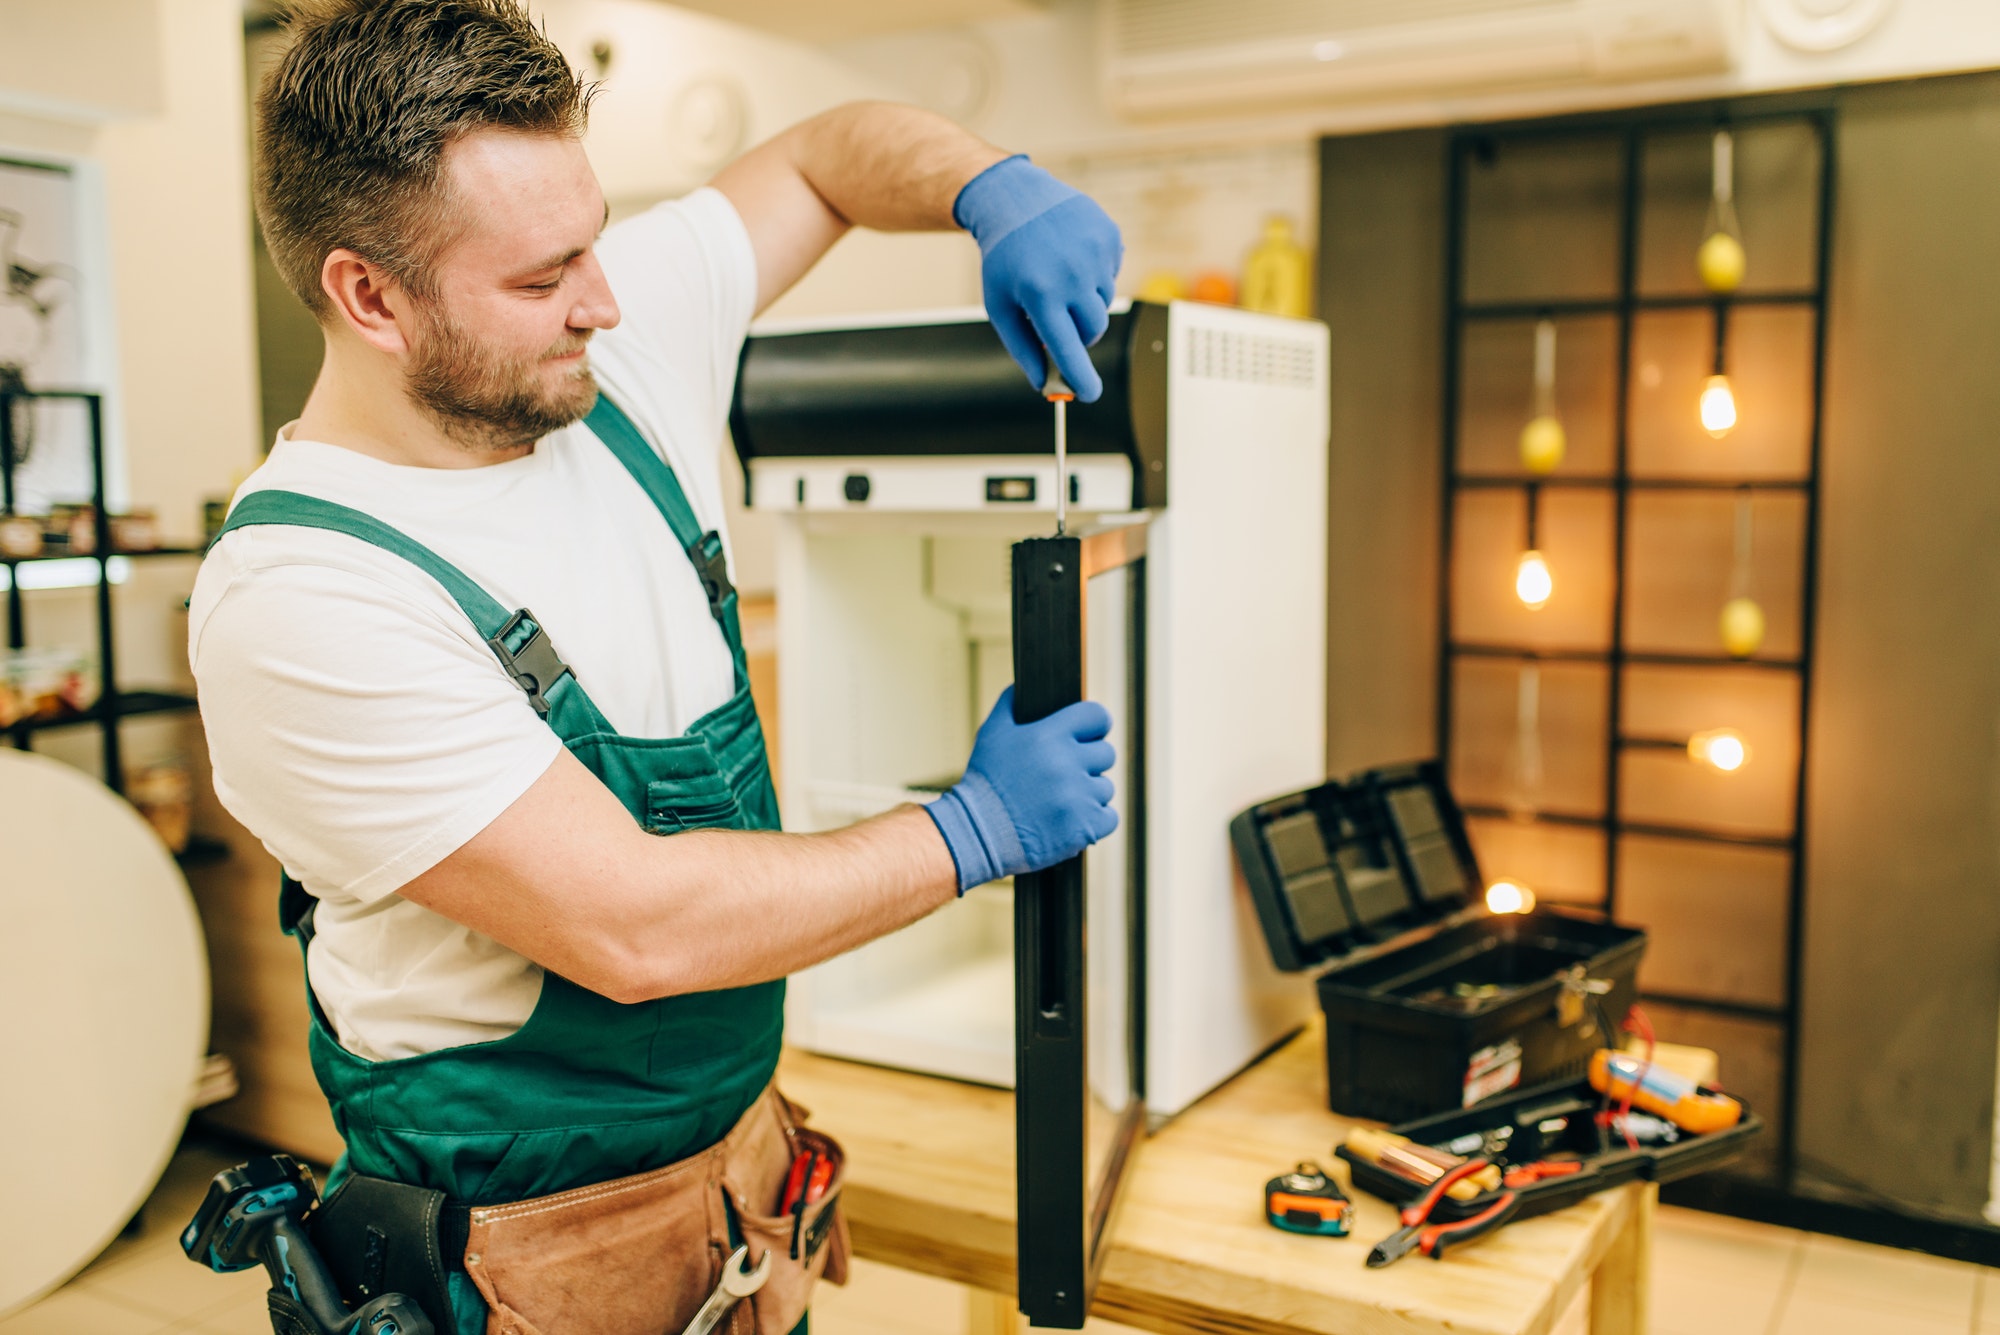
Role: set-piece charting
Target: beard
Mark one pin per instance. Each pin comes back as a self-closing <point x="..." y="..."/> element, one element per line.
<point x="493" y="404"/>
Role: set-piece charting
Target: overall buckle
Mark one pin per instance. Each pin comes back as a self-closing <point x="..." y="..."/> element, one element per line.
<point x="535" y="666"/>
<point x="711" y="563"/>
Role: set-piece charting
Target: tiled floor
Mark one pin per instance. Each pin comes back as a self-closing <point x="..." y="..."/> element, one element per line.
<point x="1711" y="1276"/>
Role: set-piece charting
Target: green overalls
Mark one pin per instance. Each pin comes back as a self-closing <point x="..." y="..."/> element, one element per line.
<point x="588" y="1089"/>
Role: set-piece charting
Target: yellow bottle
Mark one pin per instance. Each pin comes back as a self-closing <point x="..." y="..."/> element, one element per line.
<point x="1277" y="280"/>
<point x="1162" y="286"/>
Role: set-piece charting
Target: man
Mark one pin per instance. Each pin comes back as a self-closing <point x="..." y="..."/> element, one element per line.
<point x="546" y="1033"/>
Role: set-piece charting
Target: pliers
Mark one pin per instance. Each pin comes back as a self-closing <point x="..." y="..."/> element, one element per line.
<point x="1419" y="1234"/>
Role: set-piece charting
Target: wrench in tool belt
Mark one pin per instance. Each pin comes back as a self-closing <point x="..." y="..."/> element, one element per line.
<point x="736" y="1284"/>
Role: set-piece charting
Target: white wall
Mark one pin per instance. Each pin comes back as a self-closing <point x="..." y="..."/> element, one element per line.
<point x="178" y="188"/>
<point x="1040" y="81"/>
<point x="86" y="60"/>
<point x="177" y="231"/>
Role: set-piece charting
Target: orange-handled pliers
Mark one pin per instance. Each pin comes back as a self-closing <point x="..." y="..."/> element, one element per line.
<point x="1419" y="1234"/>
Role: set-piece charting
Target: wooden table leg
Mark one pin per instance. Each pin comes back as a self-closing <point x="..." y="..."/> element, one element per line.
<point x="988" y="1313"/>
<point x="1620" y="1290"/>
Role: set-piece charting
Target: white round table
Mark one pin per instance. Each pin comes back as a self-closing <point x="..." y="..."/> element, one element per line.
<point x="103" y="1019"/>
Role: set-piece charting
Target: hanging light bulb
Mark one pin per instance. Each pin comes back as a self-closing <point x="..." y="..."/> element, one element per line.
<point x="1718" y="406"/>
<point x="1721" y="260"/>
<point x="1532" y="581"/>
<point x="1718" y="400"/>
<point x="1722" y="748"/>
<point x="1742" y="624"/>
<point x="1742" y="620"/>
<point x="1543" y="440"/>
<point x="1509" y="896"/>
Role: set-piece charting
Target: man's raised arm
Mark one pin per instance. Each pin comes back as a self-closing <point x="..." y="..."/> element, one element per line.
<point x="1049" y="255"/>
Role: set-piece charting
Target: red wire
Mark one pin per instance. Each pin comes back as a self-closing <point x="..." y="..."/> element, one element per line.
<point x="1636" y="1022"/>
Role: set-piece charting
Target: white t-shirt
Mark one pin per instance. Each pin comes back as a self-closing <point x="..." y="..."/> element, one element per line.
<point x="358" y="723"/>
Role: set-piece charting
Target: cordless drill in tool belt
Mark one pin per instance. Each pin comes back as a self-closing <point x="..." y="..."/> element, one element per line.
<point x="257" y="1214"/>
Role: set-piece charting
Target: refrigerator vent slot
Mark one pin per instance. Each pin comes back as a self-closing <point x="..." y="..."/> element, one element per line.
<point x="1221" y="354"/>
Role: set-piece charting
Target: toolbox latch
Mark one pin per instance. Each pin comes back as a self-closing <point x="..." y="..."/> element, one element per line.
<point x="1578" y="987"/>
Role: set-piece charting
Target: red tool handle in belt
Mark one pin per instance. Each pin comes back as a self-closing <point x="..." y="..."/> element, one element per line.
<point x="806" y="1183"/>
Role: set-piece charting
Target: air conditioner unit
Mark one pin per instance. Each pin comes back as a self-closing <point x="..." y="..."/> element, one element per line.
<point x="1176" y="55"/>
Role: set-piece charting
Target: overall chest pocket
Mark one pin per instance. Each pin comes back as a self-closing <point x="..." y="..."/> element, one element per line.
<point x="687" y="790"/>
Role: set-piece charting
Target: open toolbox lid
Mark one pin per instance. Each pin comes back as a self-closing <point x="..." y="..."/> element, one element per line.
<point x="1346" y="869"/>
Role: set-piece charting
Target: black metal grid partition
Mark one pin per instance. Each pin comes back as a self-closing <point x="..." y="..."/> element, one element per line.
<point x="1566" y="727"/>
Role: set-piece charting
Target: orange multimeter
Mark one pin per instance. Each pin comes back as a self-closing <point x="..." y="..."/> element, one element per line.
<point x="1306" y="1200"/>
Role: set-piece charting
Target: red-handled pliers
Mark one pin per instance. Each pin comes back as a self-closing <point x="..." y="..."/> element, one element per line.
<point x="1418" y="1234"/>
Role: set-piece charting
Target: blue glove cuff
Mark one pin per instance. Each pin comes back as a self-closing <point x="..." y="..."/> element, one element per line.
<point x="980" y="834"/>
<point x="998" y="200"/>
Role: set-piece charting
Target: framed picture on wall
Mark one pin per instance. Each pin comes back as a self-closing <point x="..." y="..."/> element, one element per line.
<point x="43" y="339"/>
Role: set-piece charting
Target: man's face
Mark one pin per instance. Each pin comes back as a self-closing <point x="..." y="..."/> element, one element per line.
<point x="497" y="355"/>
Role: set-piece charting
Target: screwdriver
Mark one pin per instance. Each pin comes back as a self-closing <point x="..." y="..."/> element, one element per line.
<point x="1057" y="391"/>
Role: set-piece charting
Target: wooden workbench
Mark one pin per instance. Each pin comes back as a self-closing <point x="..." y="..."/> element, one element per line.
<point x="930" y="1188"/>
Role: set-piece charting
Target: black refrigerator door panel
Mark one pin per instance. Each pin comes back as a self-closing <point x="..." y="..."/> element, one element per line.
<point x="1078" y="927"/>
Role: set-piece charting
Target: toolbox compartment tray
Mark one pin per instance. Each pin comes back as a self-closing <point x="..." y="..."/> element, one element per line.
<point x="1612" y="1166"/>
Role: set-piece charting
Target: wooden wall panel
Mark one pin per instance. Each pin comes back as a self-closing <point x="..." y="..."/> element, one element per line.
<point x="1576" y="534"/>
<point x="1902" y="986"/>
<point x="1563" y="863"/>
<point x="1769" y="360"/>
<point x="1777" y="188"/>
<point x="1551" y="209"/>
<point x="1664" y="787"/>
<point x="1680" y="556"/>
<point x="1381" y="291"/>
<point x="1496" y="393"/>
<point x="1488" y="764"/>
<point x="1734" y="898"/>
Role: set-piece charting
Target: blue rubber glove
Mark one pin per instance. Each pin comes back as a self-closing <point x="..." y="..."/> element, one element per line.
<point x="1048" y="259"/>
<point x="1033" y="793"/>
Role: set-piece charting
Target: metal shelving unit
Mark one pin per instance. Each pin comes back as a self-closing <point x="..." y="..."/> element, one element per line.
<point x="1633" y="130"/>
<point x="113" y="703"/>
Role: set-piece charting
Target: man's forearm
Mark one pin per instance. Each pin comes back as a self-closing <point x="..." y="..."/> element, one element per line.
<point x="889" y="167"/>
<point x="565" y="877"/>
<point x="727" y="908"/>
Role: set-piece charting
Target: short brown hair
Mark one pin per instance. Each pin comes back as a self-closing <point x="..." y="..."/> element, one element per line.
<point x="354" y="119"/>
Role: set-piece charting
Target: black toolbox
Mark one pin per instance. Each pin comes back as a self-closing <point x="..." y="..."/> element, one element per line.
<point x="1432" y="1002"/>
<point x="1556" y="1120"/>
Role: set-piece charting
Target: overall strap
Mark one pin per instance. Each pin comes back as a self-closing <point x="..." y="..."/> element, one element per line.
<point x="515" y="638"/>
<point x="655" y="477"/>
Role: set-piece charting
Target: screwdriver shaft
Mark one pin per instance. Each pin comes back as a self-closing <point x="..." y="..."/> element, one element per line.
<point x="1062" y="466"/>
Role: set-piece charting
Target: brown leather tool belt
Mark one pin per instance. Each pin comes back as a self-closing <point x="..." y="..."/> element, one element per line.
<point x="632" y="1256"/>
